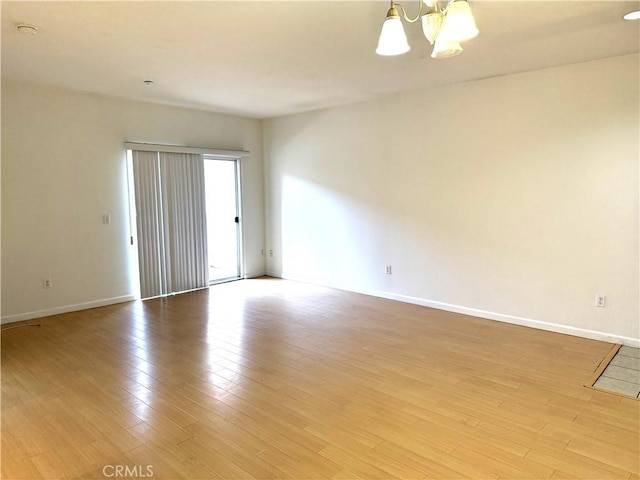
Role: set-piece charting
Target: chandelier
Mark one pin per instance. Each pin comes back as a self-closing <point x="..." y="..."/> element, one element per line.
<point x="445" y="26"/>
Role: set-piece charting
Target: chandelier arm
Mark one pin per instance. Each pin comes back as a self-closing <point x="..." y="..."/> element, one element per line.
<point x="404" y="12"/>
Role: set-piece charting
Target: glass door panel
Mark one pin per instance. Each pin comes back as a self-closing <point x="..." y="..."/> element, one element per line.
<point x="222" y="219"/>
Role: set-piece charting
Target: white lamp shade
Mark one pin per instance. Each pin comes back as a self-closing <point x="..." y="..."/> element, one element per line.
<point x="445" y="49"/>
<point x="629" y="16"/>
<point x="392" y="39"/>
<point x="459" y="24"/>
<point x="431" y="23"/>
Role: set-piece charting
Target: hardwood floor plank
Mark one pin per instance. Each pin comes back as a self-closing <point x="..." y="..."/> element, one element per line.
<point x="568" y="432"/>
<point x="290" y="466"/>
<point x="431" y="468"/>
<point x="623" y="458"/>
<point x="163" y="463"/>
<point x="354" y="463"/>
<point x="346" y="442"/>
<point x="503" y="464"/>
<point x="243" y="455"/>
<point x="526" y="438"/>
<point x="274" y="379"/>
<point x="17" y="465"/>
<point x="213" y="460"/>
<point x="576" y="464"/>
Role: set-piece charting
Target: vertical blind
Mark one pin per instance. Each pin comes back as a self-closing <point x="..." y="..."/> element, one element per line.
<point x="171" y="222"/>
<point x="186" y="215"/>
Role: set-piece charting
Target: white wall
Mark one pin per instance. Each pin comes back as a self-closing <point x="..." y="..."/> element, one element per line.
<point x="63" y="167"/>
<point x="513" y="198"/>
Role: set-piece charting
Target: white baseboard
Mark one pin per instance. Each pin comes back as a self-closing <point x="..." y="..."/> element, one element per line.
<point x="500" y="317"/>
<point x="525" y="322"/>
<point x="261" y="273"/>
<point x="66" y="309"/>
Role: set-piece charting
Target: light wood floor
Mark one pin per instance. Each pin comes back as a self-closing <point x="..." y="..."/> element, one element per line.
<point x="273" y="379"/>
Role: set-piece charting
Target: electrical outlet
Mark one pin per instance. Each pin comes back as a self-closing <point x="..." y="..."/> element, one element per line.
<point x="262" y="253"/>
<point x="601" y="300"/>
<point x="106" y="219"/>
<point x="46" y="283"/>
<point x="271" y="253"/>
<point x="388" y="270"/>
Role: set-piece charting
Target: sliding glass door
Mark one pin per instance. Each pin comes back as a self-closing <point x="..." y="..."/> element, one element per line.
<point x="185" y="211"/>
<point x="223" y="222"/>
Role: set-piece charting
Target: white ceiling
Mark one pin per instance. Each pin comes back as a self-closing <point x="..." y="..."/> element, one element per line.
<point x="265" y="58"/>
